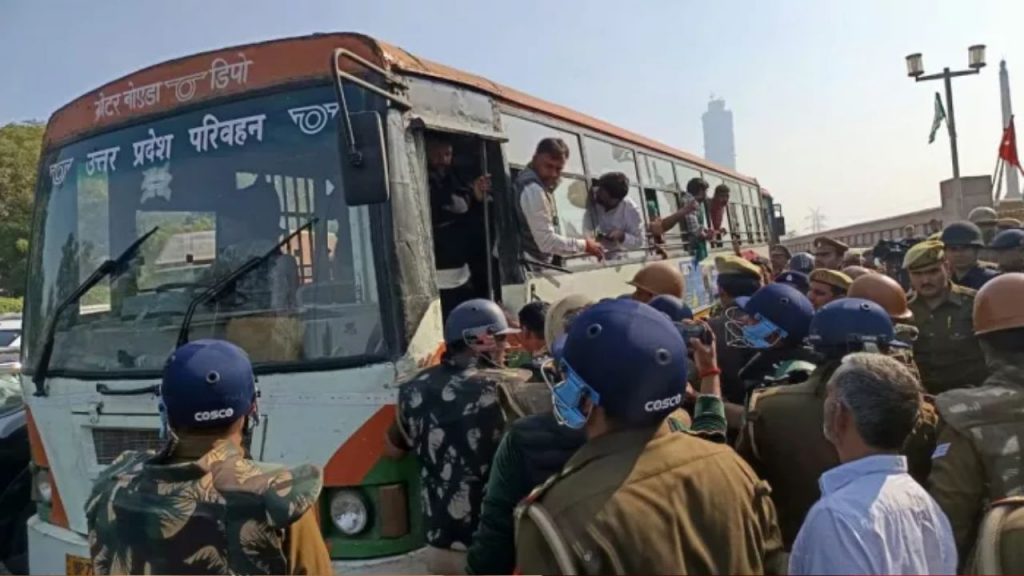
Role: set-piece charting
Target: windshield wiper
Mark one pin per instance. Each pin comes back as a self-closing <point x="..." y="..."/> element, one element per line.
<point x="230" y="281"/>
<point x="112" y="268"/>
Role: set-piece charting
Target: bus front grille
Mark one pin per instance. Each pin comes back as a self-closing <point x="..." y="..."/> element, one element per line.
<point x="111" y="442"/>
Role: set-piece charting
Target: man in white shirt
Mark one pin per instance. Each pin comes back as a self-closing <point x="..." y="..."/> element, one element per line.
<point x="873" y="518"/>
<point x="614" y="218"/>
<point x="538" y="223"/>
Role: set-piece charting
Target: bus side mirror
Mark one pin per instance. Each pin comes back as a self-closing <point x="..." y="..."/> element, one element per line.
<point x="364" y="160"/>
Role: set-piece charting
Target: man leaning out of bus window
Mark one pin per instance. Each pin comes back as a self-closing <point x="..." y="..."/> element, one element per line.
<point x="538" y="224"/>
<point x="614" y="218"/>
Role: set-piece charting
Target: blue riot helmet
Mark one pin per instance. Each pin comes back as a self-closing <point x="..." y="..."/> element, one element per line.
<point x="801" y="262"/>
<point x="625" y="357"/>
<point x="776" y="314"/>
<point x="207" y="384"/>
<point x="1008" y="240"/>
<point x="852" y="325"/>
<point x="673" y="307"/>
<point x="477" y="324"/>
<point x="797" y="280"/>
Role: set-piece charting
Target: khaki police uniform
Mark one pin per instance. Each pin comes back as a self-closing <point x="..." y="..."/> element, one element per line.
<point x="946" y="351"/>
<point x="782" y="439"/>
<point x="708" y="510"/>
<point x="730" y="358"/>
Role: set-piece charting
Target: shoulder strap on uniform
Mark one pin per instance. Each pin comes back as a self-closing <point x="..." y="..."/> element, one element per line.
<point x="988" y="555"/>
<point x="549" y="531"/>
<point x="750" y="419"/>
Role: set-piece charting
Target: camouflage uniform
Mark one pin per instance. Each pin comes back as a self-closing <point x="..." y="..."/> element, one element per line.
<point x="219" y="514"/>
<point x="977" y="461"/>
<point x="451" y="418"/>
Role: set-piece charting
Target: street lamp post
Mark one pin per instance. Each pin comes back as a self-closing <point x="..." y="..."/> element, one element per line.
<point x="976" y="61"/>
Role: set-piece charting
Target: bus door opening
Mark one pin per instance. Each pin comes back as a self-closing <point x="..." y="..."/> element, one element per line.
<point x="464" y="175"/>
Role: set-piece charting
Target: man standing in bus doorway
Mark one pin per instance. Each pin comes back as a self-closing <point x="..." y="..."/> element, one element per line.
<point x="538" y="223"/>
<point x="828" y="253"/>
<point x="614" y="218"/>
<point x="200" y="506"/>
<point x="456" y="212"/>
<point x="449" y="417"/>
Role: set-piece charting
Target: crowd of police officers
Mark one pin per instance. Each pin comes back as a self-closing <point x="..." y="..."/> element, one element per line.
<point x="623" y="436"/>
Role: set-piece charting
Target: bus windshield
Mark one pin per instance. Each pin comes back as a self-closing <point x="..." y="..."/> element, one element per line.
<point x="223" y="184"/>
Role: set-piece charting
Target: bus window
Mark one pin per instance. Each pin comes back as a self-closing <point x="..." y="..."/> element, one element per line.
<point x="603" y="157"/>
<point x="222" y="185"/>
<point x="523" y="136"/>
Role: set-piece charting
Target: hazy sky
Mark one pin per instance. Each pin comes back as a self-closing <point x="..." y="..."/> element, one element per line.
<point x="824" y="113"/>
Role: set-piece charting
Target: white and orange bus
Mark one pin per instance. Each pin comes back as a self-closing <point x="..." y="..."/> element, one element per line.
<point x="320" y="139"/>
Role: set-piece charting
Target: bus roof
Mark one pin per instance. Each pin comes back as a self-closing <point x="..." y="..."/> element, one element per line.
<point x="238" y="69"/>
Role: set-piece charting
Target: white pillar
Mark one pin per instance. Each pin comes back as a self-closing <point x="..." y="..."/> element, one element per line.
<point x="1012" y="185"/>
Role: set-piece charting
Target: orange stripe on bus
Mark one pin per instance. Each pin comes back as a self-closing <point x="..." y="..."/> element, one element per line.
<point x="58" y="516"/>
<point x="357" y="456"/>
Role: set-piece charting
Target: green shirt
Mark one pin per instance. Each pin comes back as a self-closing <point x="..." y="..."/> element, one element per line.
<point x="946" y="351"/>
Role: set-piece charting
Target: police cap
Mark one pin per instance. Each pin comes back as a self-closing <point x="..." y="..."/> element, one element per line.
<point x="632" y="356"/>
<point x="797" y="280"/>
<point x="832" y="243"/>
<point x="924" y="255"/>
<point x="833" y="278"/>
<point x="735" y="265"/>
<point x="963" y="234"/>
<point x="207" y="384"/>
<point x="1008" y="240"/>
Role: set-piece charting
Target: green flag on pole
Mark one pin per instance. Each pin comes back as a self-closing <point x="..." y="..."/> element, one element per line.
<point x="940" y="115"/>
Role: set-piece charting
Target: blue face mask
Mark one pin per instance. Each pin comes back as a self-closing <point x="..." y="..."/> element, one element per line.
<point x="566" y="397"/>
<point x="756" y="335"/>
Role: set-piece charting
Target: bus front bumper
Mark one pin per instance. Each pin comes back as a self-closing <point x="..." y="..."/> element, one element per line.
<point x="55" y="550"/>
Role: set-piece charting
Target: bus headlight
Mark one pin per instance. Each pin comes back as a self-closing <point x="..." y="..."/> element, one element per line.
<point x="349" y="512"/>
<point x="42" y="489"/>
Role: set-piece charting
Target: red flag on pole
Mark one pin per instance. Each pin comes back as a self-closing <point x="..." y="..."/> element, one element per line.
<point x="1008" y="146"/>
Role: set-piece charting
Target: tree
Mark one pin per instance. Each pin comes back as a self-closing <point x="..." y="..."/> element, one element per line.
<point x="20" y="144"/>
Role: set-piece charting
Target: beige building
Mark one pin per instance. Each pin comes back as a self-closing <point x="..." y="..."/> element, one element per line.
<point x="867" y="234"/>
